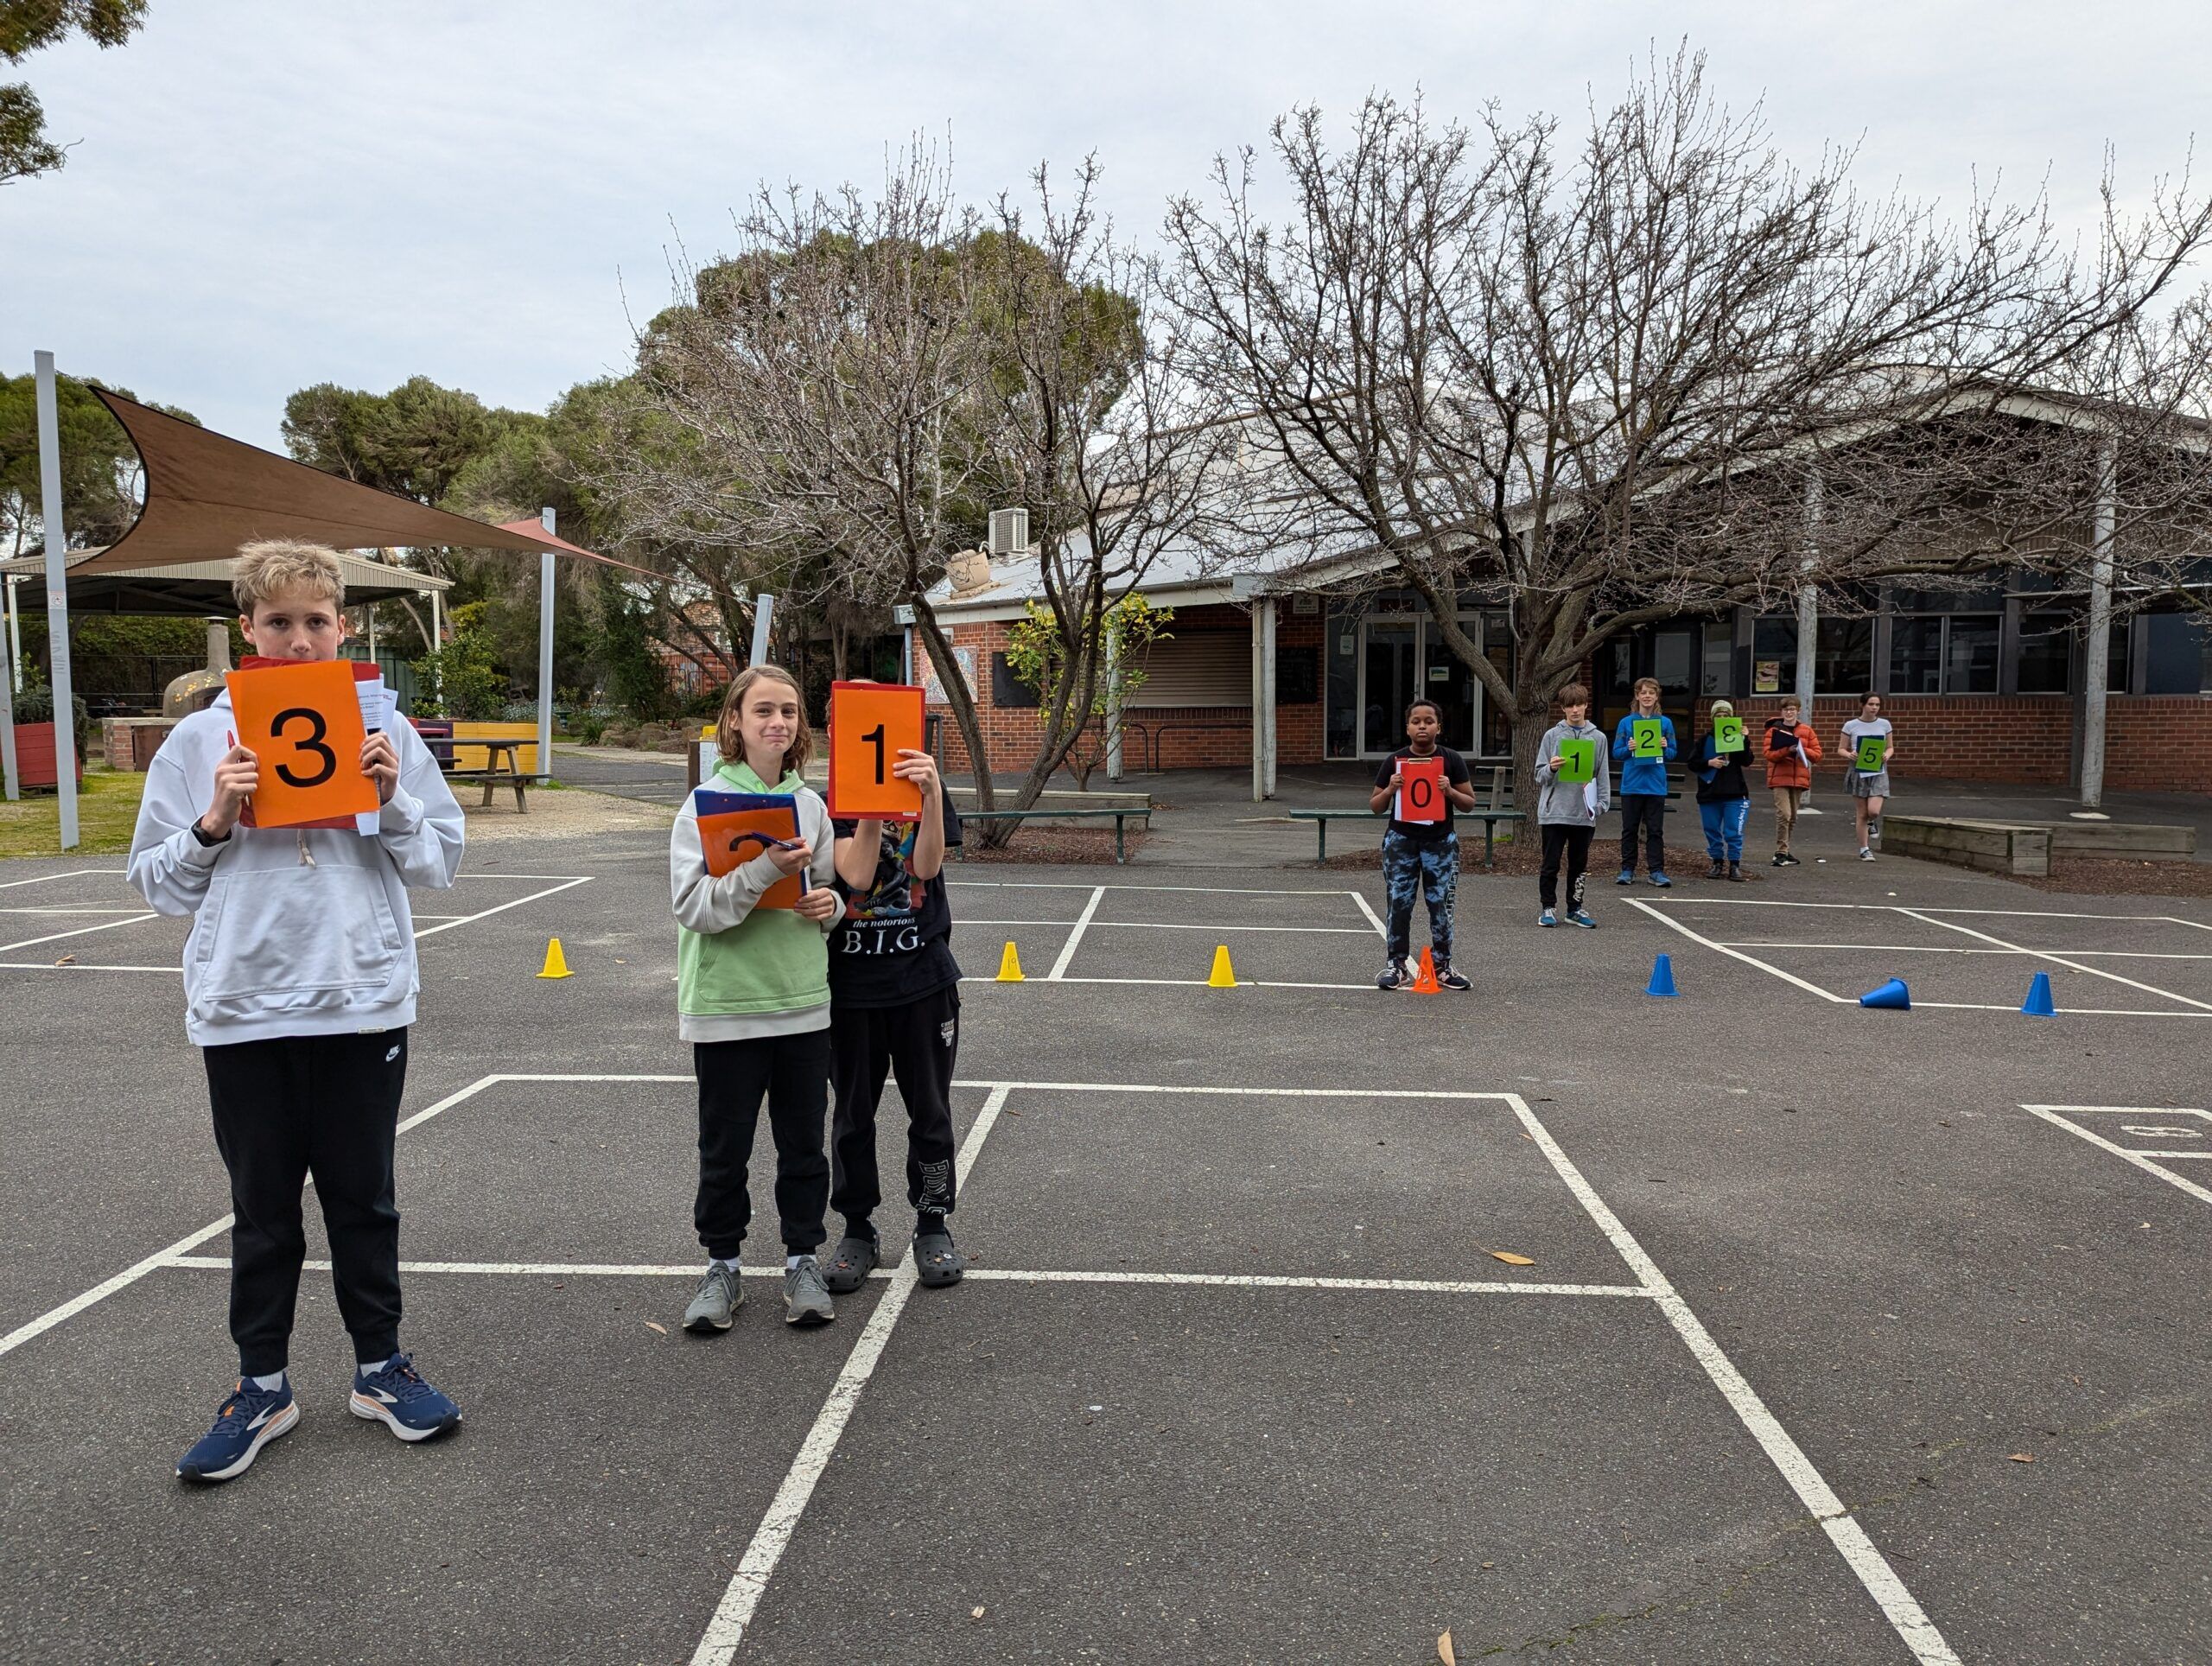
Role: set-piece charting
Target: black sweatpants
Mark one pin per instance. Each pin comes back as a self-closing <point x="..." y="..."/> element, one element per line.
<point x="917" y="1043"/>
<point x="1648" y="810"/>
<point x="1574" y="844"/>
<point x="325" y="1105"/>
<point x="793" y="1072"/>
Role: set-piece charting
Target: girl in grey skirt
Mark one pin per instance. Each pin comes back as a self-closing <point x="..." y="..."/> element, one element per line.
<point x="1869" y="787"/>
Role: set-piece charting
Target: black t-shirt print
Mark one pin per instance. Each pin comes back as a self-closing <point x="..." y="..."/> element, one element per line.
<point x="1455" y="772"/>
<point x="892" y="946"/>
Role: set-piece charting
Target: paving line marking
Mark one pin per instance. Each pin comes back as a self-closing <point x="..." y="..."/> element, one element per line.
<point x="1891" y="907"/>
<point x="1182" y="982"/>
<point x="81" y="931"/>
<point x="77" y="966"/>
<point x="1949" y="948"/>
<point x="726" y="1629"/>
<point x="527" y="1268"/>
<point x="1738" y="954"/>
<point x="1075" y="937"/>
<point x="73" y="874"/>
<point x="2055" y="1115"/>
<point x="1298" y="1282"/>
<point x="129" y="1276"/>
<point x="2061" y="960"/>
<point x="1373" y="919"/>
<point x="1897" y="1604"/>
<point x="469" y="919"/>
<point x="1071" y="884"/>
<point x="2068" y="1010"/>
<point x="75" y="908"/>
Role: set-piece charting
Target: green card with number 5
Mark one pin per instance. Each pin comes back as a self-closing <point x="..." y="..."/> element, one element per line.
<point x="1872" y="748"/>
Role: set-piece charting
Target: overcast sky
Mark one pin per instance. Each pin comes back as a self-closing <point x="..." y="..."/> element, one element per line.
<point x="266" y="193"/>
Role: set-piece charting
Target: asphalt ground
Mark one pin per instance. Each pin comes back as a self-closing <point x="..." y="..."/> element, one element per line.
<point x="1239" y="1375"/>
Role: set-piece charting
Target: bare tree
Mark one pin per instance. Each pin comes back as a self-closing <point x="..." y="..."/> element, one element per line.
<point x="1598" y="388"/>
<point x="867" y="376"/>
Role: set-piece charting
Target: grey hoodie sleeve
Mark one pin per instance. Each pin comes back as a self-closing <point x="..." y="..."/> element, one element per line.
<point x="169" y="867"/>
<point x="422" y="828"/>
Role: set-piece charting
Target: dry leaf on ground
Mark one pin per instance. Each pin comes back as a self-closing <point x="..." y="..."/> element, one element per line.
<point x="2023" y="1458"/>
<point x="976" y="1613"/>
<point x="651" y="1326"/>
<point x="1510" y="1259"/>
<point x="1444" y="1650"/>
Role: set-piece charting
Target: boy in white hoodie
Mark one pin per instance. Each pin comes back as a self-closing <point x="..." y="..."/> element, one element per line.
<point x="300" y="985"/>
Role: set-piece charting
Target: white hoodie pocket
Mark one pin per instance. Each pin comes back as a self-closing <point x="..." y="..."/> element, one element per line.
<point x="293" y="929"/>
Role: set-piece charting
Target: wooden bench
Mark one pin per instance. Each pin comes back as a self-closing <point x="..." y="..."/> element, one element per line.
<point x="1122" y="816"/>
<point x="2014" y="848"/>
<point x="1321" y="818"/>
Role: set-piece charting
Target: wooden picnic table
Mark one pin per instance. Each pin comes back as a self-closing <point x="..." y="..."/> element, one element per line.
<point x="491" y="775"/>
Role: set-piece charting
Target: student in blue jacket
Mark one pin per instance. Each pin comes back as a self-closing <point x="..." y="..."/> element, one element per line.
<point x="1644" y="787"/>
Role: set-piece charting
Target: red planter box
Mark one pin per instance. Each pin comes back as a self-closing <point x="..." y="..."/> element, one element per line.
<point x="34" y="756"/>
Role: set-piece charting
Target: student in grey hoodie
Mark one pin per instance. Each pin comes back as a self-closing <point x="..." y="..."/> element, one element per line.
<point x="1568" y="811"/>
<point x="299" y="987"/>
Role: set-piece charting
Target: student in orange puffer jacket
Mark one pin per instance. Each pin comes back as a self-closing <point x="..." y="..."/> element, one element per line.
<point x="1792" y="749"/>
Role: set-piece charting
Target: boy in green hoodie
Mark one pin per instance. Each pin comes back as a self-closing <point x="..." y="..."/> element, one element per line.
<point x="752" y="995"/>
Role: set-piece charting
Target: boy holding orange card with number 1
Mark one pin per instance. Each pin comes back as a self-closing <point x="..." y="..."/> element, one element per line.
<point x="894" y="987"/>
<point x="300" y="981"/>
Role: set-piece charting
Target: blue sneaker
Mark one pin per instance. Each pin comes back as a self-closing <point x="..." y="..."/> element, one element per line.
<point x="1659" y="879"/>
<point x="249" y="1420"/>
<point x="1547" y="917"/>
<point x="397" y="1397"/>
<point x="1581" y="917"/>
<point x="1627" y="877"/>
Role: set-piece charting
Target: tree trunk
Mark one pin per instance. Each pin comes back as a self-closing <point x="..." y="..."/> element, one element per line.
<point x="1528" y="726"/>
<point x="939" y="648"/>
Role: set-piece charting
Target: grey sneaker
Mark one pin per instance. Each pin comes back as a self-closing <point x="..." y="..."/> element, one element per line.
<point x="721" y="1294"/>
<point x="806" y="1298"/>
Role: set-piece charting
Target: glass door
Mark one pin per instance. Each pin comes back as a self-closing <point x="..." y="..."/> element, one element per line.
<point x="1446" y="680"/>
<point x="1389" y="656"/>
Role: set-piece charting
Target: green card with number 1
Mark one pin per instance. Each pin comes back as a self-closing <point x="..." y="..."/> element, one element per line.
<point x="1578" y="761"/>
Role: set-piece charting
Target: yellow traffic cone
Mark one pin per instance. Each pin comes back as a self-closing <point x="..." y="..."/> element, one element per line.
<point x="1010" y="966"/>
<point x="556" y="963"/>
<point x="1224" y="976"/>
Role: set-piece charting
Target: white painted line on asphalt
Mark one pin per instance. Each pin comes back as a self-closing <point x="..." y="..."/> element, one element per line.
<point x="1733" y="954"/>
<point x="528" y="1269"/>
<point x="1177" y="925"/>
<point x="1891" y="907"/>
<point x="1373" y="919"/>
<point x="81" y="931"/>
<point x="1183" y="983"/>
<point x="770" y="1540"/>
<point x="1070" y="885"/>
<point x="73" y="874"/>
<point x="2061" y="960"/>
<point x="1950" y="949"/>
<point x="2055" y="1115"/>
<point x="100" y="1292"/>
<point x="470" y="919"/>
<point x="132" y="1274"/>
<point x="2068" y="1010"/>
<point x="1075" y="937"/>
<point x="77" y="909"/>
<point x="1874" y="1572"/>
<point x="78" y="966"/>
<point x="1290" y="1281"/>
<point x="1247" y="1093"/>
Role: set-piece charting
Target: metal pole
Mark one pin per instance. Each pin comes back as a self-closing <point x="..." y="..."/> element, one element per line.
<point x="1268" y="684"/>
<point x="907" y="656"/>
<point x="2098" y="652"/>
<point x="545" y="654"/>
<point x="763" y="606"/>
<point x="15" y="632"/>
<point x="437" y="642"/>
<point x="1113" y="700"/>
<point x="1808" y="601"/>
<point x="8" y="661"/>
<point x="57" y="598"/>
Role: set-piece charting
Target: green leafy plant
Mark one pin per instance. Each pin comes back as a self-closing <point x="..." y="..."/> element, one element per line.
<point x="462" y="679"/>
<point x="1037" y="656"/>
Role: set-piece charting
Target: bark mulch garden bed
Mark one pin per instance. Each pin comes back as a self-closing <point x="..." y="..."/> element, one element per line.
<point x="2108" y="876"/>
<point x="1070" y="847"/>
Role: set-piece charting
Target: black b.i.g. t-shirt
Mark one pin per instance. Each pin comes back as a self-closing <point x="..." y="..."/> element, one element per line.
<point x="894" y="945"/>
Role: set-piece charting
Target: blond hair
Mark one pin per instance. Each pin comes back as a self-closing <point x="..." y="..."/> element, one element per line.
<point x="727" y="740"/>
<point x="271" y="566"/>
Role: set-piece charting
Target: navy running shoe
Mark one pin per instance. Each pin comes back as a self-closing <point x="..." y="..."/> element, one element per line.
<point x="1581" y="917"/>
<point x="398" y="1397"/>
<point x="249" y="1420"/>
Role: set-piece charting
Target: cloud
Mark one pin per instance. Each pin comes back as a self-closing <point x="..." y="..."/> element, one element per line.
<point x="266" y="196"/>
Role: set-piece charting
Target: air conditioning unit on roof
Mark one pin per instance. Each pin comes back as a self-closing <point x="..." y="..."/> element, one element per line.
<point x="1009" y="532"/>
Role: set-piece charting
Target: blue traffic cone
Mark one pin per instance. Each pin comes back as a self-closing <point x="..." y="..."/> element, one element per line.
<point x="2039" y="1003"/>
<point x="1663" y="978"/>
<point x="1892" y="994"/>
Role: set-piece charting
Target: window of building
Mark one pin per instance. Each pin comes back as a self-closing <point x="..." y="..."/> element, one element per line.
<point x="1341" y="657"/>
<point x="2179" y="655"/>
<point x="1716" y="673"/>
<point x="1196" y="668"/>
<point x="2046" y="659"/>
<point x="1941" y="643"/>
<point x="1843" y="655"/>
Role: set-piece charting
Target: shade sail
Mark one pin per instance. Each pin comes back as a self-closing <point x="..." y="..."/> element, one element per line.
<point x="198" y="589"/>
<point x="207" y="495"/>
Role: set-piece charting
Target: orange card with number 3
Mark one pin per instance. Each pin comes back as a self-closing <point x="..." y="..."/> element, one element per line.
<point x="870" y="724"/>
<point x="302" y="723"/>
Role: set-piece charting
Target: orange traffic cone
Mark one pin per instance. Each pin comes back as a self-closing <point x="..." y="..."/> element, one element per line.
<point x="1427" y="983"/>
